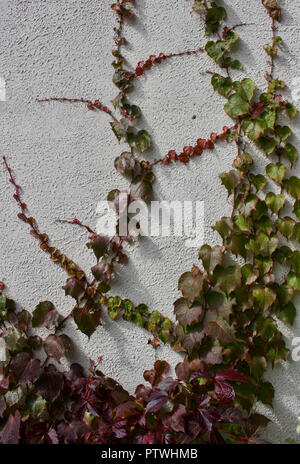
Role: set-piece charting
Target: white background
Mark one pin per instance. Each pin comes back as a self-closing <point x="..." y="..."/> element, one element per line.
<point x="63" y="155"/>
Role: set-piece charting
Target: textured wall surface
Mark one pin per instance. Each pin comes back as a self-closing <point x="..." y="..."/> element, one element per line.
<point x="63" y="155"/>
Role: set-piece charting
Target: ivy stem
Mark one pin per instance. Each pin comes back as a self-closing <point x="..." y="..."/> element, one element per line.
<point x="35" y="231"/>
<point x="237" y="436"/>
<point x="96" y="105"/>
<point x="273" y="37"/>
<point x="76" y="222"/>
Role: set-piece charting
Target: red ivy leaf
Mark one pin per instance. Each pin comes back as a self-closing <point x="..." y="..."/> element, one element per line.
<point x="231" y="374"/>
<point x="154" y="376"/>
<point x="25" y="369"/>
<point x="176" y="421"/>
<point x="75" y="288"/>
<point x="57" y="346"/>
<point x="10" y="434"/>
<point x="207" y="418"/>
<point x="224" y="391"/>
<point x="50" y="384"/>
<point x="71" y="431"/>
<point x="186" y="315"/>
<point x="157" y="399"/>
<point x="52" y="437"/>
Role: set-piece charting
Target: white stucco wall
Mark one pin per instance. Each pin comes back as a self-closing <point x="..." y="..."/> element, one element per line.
<point x="63" y="155"/>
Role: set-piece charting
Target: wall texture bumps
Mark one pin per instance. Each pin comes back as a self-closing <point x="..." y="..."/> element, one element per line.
<point x="63" y="155"/>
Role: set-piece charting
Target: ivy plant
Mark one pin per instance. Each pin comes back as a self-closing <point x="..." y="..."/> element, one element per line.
<point x="226" y="321"/>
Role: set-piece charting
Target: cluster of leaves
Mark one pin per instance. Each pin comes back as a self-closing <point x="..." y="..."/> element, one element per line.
<point x="123" y="78"/>
<point x="273" y="9"/>
<point x="225" y="358"/>
<point x="248" y="298"/>
<point x="41" y="403"/>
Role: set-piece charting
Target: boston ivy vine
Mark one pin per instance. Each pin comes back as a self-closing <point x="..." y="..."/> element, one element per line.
<point x="221" y="377"/>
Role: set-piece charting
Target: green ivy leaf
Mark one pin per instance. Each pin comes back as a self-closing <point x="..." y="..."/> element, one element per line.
<point x="287" y="314"/>
<point x="286" y="226"/>
<point x="114" y="313"/>
<point x="133" y="110"/>
<point x="264" y="224"/>
<point x="249" y="204"/>
<point x="266" y="393"/>
<point x="283" y="254"/>
<point x="276" y="172"/>
<point x="114" y="302"/>
<point x="243" y="162"/>
<point x="137" y="319"/>
<point x="224" y="227"/>
<point x="297" y="232"/>
<point x="219" y="302"/>
<point x="166" y="323"/>
<point x="268" y="144"/>
<point x="164" y="335"/>
<point x="254" y="128"/>
<point x="285" y="294"/>
<point x="228" y="279"/>
<point x="258" y="366"/>
<point x="230" y="180"/>
<point x="211" y="257"/>
<point x="214" y="16"/>
<point x="263" y="297"/>
<point x="221" y="84"/>
<point x="296" y="209"/>
<point x="2" y="302"/>
<point x="216" y="49"/>
<point x="290" y="152"/>
<point x="120" y="128"/>
<point x="293" y="280"/>
<point x="236" y="106"/>
<point x="267" y="329"/>
<point x="141" y="140"/>
<point x="237" y="244"/>
<point x="270" y="118"/>
<point x="245" y="89"/>
<point x="262" y="244"/>
<point x="264" y="265"/>
<point x="275" y="202"/>
<point x="127" y="305"/>
<point x="260" y="210"/>
<point x="230" y="63"/>
<point x="242" y="223"/>
<point x="153" y="321"/>
<point x="291" y="110"/>
<point x="284" y="132"/>
<point x="249" y="274"/>
<point x="292" y="186"/>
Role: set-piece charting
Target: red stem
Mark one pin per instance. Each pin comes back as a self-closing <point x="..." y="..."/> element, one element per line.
<point x="96" y="105"/>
